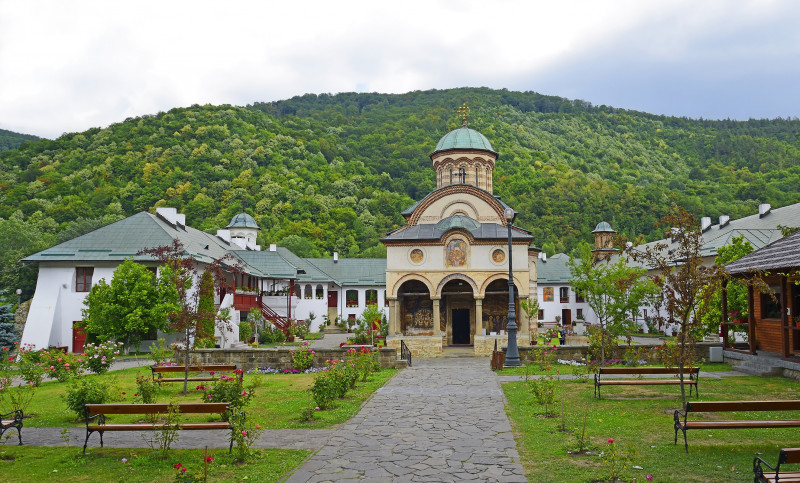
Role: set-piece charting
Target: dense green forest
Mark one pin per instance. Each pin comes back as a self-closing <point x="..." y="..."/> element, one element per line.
<point x="12" y="140"/>
<point x="324" y="173"/>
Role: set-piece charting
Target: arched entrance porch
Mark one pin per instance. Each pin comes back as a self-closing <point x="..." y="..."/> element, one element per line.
<point x="458" y="313"/>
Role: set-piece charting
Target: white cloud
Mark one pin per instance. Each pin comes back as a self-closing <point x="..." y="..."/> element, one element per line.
<point x="73" y="65"/>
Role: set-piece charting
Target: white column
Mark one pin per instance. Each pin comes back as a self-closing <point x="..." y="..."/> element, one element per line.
<point x="436" y="319"/>
<point x="478" y="315"/>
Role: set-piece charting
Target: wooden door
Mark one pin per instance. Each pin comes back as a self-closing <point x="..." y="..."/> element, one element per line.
<point x="78" y="337"/>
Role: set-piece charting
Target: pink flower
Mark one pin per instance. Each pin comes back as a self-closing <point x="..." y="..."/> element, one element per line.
<point x="610" y="440"/>
<point x="124" y="460"/>
<point x="209" y="396"/>
<point x="244" y="393"/>
<point x="258" y="426"/>
<point x="649" y="477"/>
<point x="209" y="459"/>
<point x="183" y="469"/>
<point x="244" y="433"/>
<point x="177" y="465"/>
<point x="317" y="408"/>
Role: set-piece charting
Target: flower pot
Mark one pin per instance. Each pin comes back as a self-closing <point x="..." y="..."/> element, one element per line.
<point x="290" y="338"/>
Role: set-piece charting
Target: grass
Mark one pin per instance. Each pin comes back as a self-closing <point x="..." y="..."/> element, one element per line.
<point x="276" y="405"/>
<point x="67" y="464"/>
<point x="640" y="419"/>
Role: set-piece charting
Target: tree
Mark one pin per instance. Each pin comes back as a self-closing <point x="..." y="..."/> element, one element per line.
<point x="686" y="283"/>
<point x="614" y="291"/>
<point x="205" y="307"/>
<point x="133" y="304"/>
<point x="736" y="288"/>
<point x="188" y="316"/>
<point x="8" y="333"/>
<point x="531" y="308"/>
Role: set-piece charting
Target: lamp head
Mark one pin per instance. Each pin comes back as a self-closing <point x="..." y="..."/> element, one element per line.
<point x="19" y="291"/>
<point x="509" y="214"/>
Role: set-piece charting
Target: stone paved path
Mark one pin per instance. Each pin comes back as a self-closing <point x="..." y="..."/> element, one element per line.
<point x="441" y="420"/>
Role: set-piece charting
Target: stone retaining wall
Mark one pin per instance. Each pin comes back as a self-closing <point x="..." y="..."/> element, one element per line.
<point x="578" y="352"/>
<point x="280" y="358"/>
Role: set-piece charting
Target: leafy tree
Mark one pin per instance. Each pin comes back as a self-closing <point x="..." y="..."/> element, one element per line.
<point x="736" y="288"/>
<point x="688" y="286"/>
<point x="531" y="308"/>
<point x="187" y="315"/>
<point x="22" y="237"/>
<point x="615" y="291"/>
<point x="130" y="306"/>
<point x="205" y="307"/>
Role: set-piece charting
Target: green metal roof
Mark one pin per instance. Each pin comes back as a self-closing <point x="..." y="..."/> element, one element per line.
<point x="243" y="220"/>
<point x="353" y="271"/>
<point x="126" y="237"/>
<point x="603" y="227"/>
<point x="554" y="270"/>
<point x="457" y="221"/>
<point x="464" y="138"/>
<point x="267" y="264"/>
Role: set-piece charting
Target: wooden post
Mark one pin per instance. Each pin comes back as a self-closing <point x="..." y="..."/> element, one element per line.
<point x="784" y="317"/>
<point x="751" y="319"/>
<point x="725" y="315"/>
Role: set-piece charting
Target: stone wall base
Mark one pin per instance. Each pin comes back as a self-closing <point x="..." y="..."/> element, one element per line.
<point x="484" y="344"/>
<point x="420" y="346"/>
<point x="281" y="358"/>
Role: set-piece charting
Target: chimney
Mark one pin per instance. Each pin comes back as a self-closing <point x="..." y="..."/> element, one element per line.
<point x="724" y="220"/>
<point x="335" y="257"/>
<point x="180" y="218"/>
<point x="273" y="247"/>
<point x="705" y="223"/>
<point x="224" y="235"/>
<point x="544" y="258"/>
<point x="170" y="215"/>
<point x="764" y="209"/>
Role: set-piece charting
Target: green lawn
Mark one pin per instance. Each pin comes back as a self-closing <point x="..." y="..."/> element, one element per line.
<point x="640" y="420"/>
<point x="276" y="405"/>
<point x="68" y="464"/>
<point x="566" y="369"/>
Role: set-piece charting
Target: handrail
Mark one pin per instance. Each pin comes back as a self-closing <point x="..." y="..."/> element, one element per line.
<point x="273" y="317"/>
<point x="405" y="353"/>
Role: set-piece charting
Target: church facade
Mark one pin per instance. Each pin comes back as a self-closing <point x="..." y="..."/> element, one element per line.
<point x="447" y="269"/>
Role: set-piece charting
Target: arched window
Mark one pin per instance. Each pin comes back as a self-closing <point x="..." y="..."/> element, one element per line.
<point x="476" y="177"/>
<point x="451" y="176"/>
<point x="372" y="297"/>
<point x="320" y="293"/>
<point x="307" y="291"/>
<point x="462" y="175"/>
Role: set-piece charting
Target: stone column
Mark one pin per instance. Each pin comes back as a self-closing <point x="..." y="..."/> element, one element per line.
<point x="392" y="316"/>
<point x="436" y="317"/>
<point x="478" y="315"/>
<point x="524" y="323"/>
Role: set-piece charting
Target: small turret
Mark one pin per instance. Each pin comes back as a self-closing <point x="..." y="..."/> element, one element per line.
<point x="603" y="241"/>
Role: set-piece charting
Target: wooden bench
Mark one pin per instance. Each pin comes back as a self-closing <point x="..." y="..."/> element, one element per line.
<point x="12" y="420"/>
<point x="99" y="412"/>
<point x="692" y="372"/>
<point x="733" y="406"/>
<point x="159" y="371"/>
<point x="787" y="456"/>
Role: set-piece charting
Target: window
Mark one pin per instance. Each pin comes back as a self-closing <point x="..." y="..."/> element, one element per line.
<point x="83" y="278"/>
<point x="351" y="298"/>
<point x="563" y="294"/>
<point x="771" y="309"/>
<point x="579" y="314"/>
<point x="579" y="299"/>
<point x="320" y="292"/>
<point x="372" y="297"/>
<point x="451" y="176"/>
<point x="541" y="314"/>
<point x="307" y="291"/>
<point x="462" y="175"/>
<point x="476" y="176"/>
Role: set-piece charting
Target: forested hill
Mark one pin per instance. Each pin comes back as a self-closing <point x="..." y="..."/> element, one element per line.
<point x="12" y="140"/>
<point x="332" y="172"/>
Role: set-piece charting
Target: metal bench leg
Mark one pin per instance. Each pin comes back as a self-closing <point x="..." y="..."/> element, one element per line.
<point x="88" y="433"/>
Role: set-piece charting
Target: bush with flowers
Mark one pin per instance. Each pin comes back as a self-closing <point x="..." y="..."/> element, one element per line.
<point x="303" y="358"/>
<point x="243" y="434"/>
<point x="100" y="357"/>
<point x="183" y="474"/>
<point x="59" y="365"/>
<point x="30" y="364"/>
<point x="228" y="389"/>
<point x="332" y="383"/>
<point x="364" y="362"/>
<point x="146" y="389"/>
<point x="616" y="459"/>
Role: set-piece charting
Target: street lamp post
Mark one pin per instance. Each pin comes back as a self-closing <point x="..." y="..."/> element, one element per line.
<point x="512" y="352"/>
<point x="19" y="296"/>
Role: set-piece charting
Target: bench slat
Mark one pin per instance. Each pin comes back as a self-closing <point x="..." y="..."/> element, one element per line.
<point x="787" y="477"/>
<point x="187" y="408"/>
<point x="727" y="406"/>
<point x="148" y="427"/>
<point x="193" y="368"/>
<point x="741" y="423"/>
<point x="180" y="379"/>
<point x="642" y="382"/>
<point x="648" y="370"/>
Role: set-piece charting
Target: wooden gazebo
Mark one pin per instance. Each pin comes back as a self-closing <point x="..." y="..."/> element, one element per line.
<point x="772" y="323"/>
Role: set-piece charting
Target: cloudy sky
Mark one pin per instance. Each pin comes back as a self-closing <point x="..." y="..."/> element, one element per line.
<point x="66" y="66"/>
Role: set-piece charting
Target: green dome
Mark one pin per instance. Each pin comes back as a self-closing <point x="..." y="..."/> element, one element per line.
<point x="464" y="138"/>
<point x="243" y="220"/>
<point x="603" y="227"/>
<point x="458" y="221"/>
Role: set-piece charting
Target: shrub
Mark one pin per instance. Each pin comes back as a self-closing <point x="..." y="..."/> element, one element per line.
<point x="364" y="362"/>
<point x="228" y="389"/>
<point x="59" y="365"/>
<point x="160" y="352"/>
<point x="243" y="433"/>
<point x="30" y="365"/>
<point x="245" y="331"/>
<point x="86" y="390"/>
<point x="100" y="357"/>
<point x="271" y="335"/>
<point x="146" y="389"/>
<point x="327" y="387"/>
<point x="303" y="358"/>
